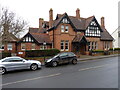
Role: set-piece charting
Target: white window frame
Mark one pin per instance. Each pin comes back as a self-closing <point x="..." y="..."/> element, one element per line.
<point x="22" y="46"/>
<point x="67" y="42"/>
<point x="33" y="46"/>
<point x="9" y="46"/>
<point x="62" y="42"/>
<point x="66" y="28"/>
<point x="27" y="39"/>
<point x="62" y="28"/>
<point x="42" y="47"/>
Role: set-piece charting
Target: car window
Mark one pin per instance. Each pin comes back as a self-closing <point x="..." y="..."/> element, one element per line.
<point x="13" y="60"/>
<point x="63" y="54"/>
<point x="71" y="54"/>
<point x="6" y="60"/>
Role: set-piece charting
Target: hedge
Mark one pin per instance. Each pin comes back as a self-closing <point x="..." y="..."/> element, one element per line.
<point x="115" y="49"/>
<point x="97" y="51"/>
<point x="41" y="53"/>
<point x="5" y="54"/>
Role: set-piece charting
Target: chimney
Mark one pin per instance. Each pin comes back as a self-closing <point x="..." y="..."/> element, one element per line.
<point x="41" y="21"/>
<point x="50" y="18"/>
<point x="102" y="22"/>
<point x="78" y="13"/>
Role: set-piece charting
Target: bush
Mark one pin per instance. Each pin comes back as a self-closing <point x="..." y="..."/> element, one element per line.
<point x="97" y="51"/>
<point x="5" y="54"/>
<point x="115" y="49"/>
<point x="41" y="53"/>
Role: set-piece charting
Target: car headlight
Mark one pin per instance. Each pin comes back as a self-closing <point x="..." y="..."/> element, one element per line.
<point x="49" y="60"/>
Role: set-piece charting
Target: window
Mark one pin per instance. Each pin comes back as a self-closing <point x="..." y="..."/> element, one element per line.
<point x="89" y="47"/>
<point x="27" y="39"/>
<point x="65" y="20"/>
<point x="106" y="45"/>
<point x="42" y="47"/>
<point x="71" y="54"/>
<point x="23" y="46"/>
<point x="66" y="29"/>
<point x="95" y="45"/>
<point x="30" y="39"/>
<point x="2" y="47"/>
<point x="9" y="46"/>
<point x="62" y="28"/>
<point x="62" y="45"/>
<point x="63" y="54"/>
<point x="33" y="47"/>
<point x="66" y="45"/>
<point x="118" y="34"/>
<point x="92" y="45"/>
<point x="13" y="60"/>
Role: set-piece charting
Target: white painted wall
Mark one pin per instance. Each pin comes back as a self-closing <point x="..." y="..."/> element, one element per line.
<point x="116" y="42"/>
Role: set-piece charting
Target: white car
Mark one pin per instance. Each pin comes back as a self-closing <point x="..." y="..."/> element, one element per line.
<point x="18" y="63"/>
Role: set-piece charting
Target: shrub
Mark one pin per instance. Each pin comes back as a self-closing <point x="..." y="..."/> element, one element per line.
<point x="5" y="54"/>
<point x="115" y="49"/>
<point x="97" y="51"/>
<point x="41" y="53"/>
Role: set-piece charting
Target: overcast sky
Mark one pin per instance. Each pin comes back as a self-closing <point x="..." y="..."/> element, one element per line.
<point x="32" y="10"/>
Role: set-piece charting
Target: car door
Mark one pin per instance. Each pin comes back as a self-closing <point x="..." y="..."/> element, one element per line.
<point x="63" y="58"/>
<point x="7" y="64"/>
<point x="18" y="63"/>
<point x="70" y="56"/>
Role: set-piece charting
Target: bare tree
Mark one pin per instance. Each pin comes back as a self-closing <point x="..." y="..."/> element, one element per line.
<point x="10" y="23"/>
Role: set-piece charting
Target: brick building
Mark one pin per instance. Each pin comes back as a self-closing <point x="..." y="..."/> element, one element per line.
<point x="77" y="34"/>
<point x="8" y="43"/>
<point x="67" y="33"/>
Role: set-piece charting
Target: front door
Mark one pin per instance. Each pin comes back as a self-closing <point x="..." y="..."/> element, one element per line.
<point x="82" y="48"/>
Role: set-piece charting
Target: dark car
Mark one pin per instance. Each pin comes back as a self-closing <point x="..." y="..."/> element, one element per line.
<point x="61" y="58"/>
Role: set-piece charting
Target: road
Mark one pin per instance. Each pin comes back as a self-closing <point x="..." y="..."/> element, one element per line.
<point x="99" y="73"/>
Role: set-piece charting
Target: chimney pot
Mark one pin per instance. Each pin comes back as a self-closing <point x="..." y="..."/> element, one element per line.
<point x="78" y="13"/>
<point x="41" y="21"/>
<point x="50" y="17"/>
<point x="102" y="22"/>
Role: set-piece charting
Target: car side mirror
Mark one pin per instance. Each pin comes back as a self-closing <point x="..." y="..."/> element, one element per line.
<point x="23" y="60"/>
<point x="58" y="57"/>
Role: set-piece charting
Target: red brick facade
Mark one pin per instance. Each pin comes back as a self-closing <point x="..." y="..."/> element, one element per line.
<point x="66" y="33"/>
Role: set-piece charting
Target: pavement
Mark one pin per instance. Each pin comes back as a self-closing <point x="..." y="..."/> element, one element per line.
<point x="98" y="73"/>
<point x="87" y="57"/>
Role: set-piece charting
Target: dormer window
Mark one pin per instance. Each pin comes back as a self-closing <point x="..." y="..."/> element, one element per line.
<point x="65" y="20"/>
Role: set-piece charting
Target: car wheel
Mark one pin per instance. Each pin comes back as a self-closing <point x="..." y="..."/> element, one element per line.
<point x="34" y="67"/>
<point x="74" y="61"/>
<point x="3" y="71"/>
<point x="54" y="64"/>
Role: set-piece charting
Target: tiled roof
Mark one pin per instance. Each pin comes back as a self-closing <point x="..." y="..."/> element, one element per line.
<point x="79" y="38"/>
<point x="41" y="37"/>
<point x="33" y="30"/>
<point x="79" y="24"/>
<point x="105" y="35"/>
<point x="8" y="38"/>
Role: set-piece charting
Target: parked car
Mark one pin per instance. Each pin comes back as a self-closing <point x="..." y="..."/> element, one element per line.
<point x="18" y="63"/>
<point x="61" y="58"/>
